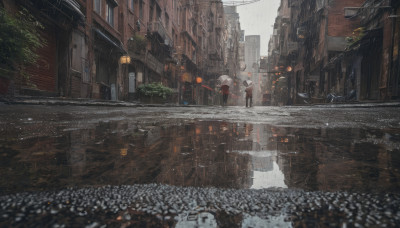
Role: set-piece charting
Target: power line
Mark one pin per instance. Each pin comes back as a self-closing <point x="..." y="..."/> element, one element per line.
<point x="239" y="2"/>
<point x="231" y="2"/>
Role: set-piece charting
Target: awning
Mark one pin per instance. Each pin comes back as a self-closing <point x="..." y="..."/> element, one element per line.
<point x="207" y="87"/>
<point x="366" y="40"/>
<point x="113" y="3"/>
<point x="333" y="61"/>
<point x="109" y="40"/>
<point x="74" y="6"/>
<point x="363" y="44"/>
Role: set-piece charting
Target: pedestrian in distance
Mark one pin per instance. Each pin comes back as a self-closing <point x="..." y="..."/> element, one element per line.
<point x="249" y="96"/>
<point x="225" y="93"/>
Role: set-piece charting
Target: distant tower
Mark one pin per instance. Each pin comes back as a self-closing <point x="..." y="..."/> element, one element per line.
<point x="252" y="53"/>
<point x="252" y="58"/>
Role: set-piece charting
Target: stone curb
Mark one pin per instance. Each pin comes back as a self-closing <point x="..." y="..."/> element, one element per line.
<point x="89" y="102"/>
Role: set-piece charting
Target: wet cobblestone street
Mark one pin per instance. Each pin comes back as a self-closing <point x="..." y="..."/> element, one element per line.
<point x="64" y="166"/>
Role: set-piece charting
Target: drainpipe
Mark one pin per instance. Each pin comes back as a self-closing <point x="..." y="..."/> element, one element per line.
<point x="389" y="86"/>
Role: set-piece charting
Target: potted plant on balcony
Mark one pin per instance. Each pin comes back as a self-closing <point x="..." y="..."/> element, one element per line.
<point x="154" y="93"/>
<point x="137" y="44"/>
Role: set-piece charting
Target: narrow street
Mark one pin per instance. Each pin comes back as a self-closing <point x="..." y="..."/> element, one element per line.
<point x="199" y="113"/>
<point x="328" y="165"/>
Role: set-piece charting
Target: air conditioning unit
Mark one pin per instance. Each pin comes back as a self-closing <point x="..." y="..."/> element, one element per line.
<point x="301" y="32"/>
<point x="219" y="21"/>
<point x="350" y="12"/>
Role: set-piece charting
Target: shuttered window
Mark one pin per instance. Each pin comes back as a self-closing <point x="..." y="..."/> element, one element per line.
<point x="110" y="14"/>
<point x="97" y="6"/>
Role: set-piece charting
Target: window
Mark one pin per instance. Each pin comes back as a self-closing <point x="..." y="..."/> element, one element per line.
<point x="141" y="9"/>
<point x="110" y="14"/>
<point x="85" y="71"/>
<point x="194" y="30"/>
<point x="78" y="51"/>
<point x="201" y="42"/>
<point x="166" y="21"/>
<point x="184" y="19"/>
<point x="184" y="46"/>
<point x="158" y="11"/>
<point x="151" y="13"/>
<point x="131" y="5"/>
<point x="97" y="6"/>
<point x="173" y="37"/>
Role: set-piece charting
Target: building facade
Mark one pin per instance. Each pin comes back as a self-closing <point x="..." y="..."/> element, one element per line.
<point x="105" y="49"/>
<point x="231" y="57"/>
<point x="346" y="48"/>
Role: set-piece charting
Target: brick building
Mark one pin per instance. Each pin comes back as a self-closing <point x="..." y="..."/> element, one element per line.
<point x="231" y="55"/>
<point x="342" y="47"/>
<point x="104" y="49"/>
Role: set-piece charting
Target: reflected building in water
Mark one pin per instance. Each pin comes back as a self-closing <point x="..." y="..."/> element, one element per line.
<point x="339" y="159"/>
<point x="197" y="153"/>
<point x="264" y="169"/>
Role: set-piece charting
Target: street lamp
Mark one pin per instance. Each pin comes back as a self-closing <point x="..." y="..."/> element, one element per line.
<point x="125" y="59"/>
<point x="199" y="80"/>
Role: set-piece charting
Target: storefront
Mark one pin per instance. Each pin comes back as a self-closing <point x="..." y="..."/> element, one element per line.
<point x="107" y="53"/>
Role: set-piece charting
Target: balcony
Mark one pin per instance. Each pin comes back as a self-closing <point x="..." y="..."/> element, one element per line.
<point x="220" y="23"/>
<point x="289" y="48"/>
<point x="215" y="54"/>
<point x="186" y="29"/>
<point x="215" y="67"/>
<point x="156" y="27"/>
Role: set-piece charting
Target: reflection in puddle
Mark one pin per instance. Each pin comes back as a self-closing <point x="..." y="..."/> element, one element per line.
<point x="265" y="170"/>
<point x="204" y="219"/>
<point x="208" y="220"/>
<point x="271" y="221"/>
<point x="269" y="179"/>
<point x="197" y="153"/>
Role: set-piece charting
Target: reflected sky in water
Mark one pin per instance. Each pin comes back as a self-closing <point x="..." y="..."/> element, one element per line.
<point x="207" y="220"/>
<point x="269" y="179"/>
<point x="265" y="170"/>
<point x="271" y="221"/>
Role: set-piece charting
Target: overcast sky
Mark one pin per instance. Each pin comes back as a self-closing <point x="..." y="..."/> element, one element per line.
<point x="257" y="19"/>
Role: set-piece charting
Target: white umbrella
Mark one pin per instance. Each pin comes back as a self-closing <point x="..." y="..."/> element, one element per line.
<point x="248" y="83"/>
<point x="224" y="80"/>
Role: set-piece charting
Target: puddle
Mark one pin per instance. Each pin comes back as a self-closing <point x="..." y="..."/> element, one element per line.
<point x="199" y="153"/>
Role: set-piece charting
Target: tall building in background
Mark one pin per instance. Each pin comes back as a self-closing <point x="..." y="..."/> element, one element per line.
<point x="242" y="74"/>
<point x="252" y="51"/>
<point x="251" y="58"/>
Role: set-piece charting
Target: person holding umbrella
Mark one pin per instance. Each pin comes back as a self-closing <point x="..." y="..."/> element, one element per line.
<point x="249" y="96"/>
<point x="224" y="81"/>
<point x="249" y="92"/>
<point x="225" y="94"/>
